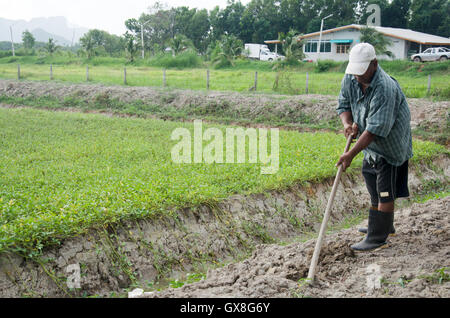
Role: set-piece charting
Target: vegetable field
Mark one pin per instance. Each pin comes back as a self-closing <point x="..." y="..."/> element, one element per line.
<point x="63" y="173"/>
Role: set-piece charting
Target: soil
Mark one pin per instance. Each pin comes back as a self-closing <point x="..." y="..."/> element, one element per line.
<point x="409" y="267"/>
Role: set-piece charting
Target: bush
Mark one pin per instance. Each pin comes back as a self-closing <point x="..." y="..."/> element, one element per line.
<point x="5" y="53"/>
<point x="397" y="66"/>
<point x="326" y="65"/>
<point x="343" y="67"/>
<point x="186" y="59"/>
<point x="441" y="93"/>
<point x="436" y="67"/>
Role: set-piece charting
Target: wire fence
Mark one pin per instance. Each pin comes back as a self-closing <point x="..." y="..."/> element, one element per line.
<point x="292" y="83"/>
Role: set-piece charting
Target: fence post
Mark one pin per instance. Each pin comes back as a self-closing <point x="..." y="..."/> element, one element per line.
<point x="51" y="72"/>
<point x="164" y="78"/>
<point x="87" y="73"/>
<point x="124" y="76"/>
<point x="307" y="82"/>
<point x="256" y="80"/>
<point x="18" y="71"/>
<point x="429" y="84"/>
<point x="207" y="79"/>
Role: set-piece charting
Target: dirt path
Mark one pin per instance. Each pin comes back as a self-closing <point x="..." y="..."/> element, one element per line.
<point x="410" y="267"/>
<point x="424" y="113"/>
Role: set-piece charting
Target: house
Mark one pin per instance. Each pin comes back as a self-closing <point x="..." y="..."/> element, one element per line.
<point x="336" y="43"/>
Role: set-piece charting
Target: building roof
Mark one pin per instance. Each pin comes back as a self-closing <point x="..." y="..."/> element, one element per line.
<point x="404" y="34"/>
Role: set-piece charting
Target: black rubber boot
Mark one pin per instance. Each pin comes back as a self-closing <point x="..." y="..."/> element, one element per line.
<point x="363" y="230"/>
<point x="380" y="224"/>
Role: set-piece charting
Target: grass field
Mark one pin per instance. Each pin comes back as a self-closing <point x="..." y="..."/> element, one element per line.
<point x="63" y="173"/>
<point x="239" y="79"/>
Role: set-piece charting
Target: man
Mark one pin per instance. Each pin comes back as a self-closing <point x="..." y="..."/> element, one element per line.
<point x="373" y="108"/>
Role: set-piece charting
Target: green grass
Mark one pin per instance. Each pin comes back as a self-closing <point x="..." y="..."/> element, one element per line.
<point x="240" y="78"/>
<point x="63" y="173"/>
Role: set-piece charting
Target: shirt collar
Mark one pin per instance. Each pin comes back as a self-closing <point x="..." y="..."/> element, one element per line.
<point x="374" y="81"/>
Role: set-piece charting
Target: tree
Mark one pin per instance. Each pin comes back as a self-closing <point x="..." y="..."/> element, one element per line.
<point x="377" y="39"/>
<point x="98" y="42"/>
<point x="88" y="45"/>
<point x="194" y="24"/>
<point x="291" y="47"/>
<point x="431" y="16"/>
<point x="131" y="47"/>
<point x="198" y="30"/>
<point x="293" y="52"/>
<point x="227" y="21"/>
<point x="51" y="47"/>
<point x="28" y="40"/>
<point x="159" y="27"/>
<point x="261" y="20"/>
<point x="397" y="14"/>
<point x="226" y="51"/>
<point x="179" y="43"/>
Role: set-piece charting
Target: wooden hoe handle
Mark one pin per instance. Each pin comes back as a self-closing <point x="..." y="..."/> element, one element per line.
<point x="323" y="227"/>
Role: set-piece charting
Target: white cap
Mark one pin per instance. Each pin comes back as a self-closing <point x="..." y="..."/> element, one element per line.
<point x="360" y="57"/>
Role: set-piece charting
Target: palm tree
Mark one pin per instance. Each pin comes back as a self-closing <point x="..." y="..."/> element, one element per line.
<point x="377" y="39"/>
<point x="227" y="50"/>
<point x="88" y="44"/>
<point x="291" y="47"/>
<point x="51" y="46"/>
<point x="28" y="40"/>
<point x="131" y="46"/>
<point x="179" y="43"/>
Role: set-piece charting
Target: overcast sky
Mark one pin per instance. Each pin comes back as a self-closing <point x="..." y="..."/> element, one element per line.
<point x="108" y="15"/>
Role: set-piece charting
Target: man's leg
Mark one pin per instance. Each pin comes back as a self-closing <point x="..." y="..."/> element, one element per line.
<point x="370" y="177"/>
<point x="381" y="220"/>
<point x="386" y="207"/>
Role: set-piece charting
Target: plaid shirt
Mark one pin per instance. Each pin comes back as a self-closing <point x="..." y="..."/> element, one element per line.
<point x="384" y="112"/>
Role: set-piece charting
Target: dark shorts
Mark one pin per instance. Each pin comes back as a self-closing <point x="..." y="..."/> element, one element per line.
<point x="385" y="182"/>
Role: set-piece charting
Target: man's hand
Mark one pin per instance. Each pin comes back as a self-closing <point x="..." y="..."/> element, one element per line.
<point x="345" y="160"/>
<point x="351" y="129"/>
<point x="363" y="142"/>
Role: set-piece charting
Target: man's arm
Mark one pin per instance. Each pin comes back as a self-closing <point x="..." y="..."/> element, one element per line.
<point x="363" y="142"/>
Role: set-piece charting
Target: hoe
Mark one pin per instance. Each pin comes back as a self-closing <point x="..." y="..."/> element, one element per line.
<point x="323" y="227"/>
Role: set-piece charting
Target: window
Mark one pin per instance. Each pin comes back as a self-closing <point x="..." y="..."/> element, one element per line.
<point x="342" y="48"/>
<point x="311" y="47"/>
<point x="325" y="46"/>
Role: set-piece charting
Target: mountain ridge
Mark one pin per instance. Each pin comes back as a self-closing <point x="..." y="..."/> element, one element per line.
<point x="42" y="28"/>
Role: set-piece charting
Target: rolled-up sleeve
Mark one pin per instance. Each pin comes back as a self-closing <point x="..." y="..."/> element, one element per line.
<point x="381" y="113"/>
<point x="344" y="100"/>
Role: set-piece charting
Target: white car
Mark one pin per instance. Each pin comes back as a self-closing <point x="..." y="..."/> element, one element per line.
<point x="432" y="54"/>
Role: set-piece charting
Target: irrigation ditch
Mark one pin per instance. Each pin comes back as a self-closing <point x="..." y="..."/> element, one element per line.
<point x="150" y="252"/>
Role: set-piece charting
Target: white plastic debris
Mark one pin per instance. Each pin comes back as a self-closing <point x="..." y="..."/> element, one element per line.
<point x="136" y="293"/>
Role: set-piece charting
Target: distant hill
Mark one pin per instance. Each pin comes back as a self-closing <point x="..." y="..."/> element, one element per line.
<point x="42" y="29"/>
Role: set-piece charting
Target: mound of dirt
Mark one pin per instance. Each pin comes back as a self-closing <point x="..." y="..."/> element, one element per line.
<point x="414" y="264"/>
<point x="318" y="108"/>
